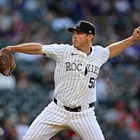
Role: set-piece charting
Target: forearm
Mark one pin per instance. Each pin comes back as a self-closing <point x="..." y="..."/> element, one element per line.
<point x="119" y="47"/>
<point x="28" y="48"/>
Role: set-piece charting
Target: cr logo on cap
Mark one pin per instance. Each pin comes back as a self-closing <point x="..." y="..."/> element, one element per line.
<point x="78" y="24"/>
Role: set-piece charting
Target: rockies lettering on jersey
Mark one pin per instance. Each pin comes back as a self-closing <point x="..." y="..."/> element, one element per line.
<point x="90" y="68"/>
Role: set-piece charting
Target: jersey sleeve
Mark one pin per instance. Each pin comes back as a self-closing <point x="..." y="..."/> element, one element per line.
<point x="103" y="54"/>
<point x="54" y="51"/>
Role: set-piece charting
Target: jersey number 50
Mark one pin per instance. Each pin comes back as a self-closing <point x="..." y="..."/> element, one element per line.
<point x="91" y="82"/>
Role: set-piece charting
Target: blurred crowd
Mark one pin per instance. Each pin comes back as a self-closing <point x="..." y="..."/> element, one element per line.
<point x="25" y="93"/>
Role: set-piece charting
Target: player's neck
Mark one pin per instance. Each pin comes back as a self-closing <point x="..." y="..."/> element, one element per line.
<point x="87" y="50"/>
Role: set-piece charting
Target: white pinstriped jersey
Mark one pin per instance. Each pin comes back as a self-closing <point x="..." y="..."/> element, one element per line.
<point x="76" y="72"/>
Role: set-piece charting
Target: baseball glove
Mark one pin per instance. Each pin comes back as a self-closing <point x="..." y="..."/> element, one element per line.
<point x="7" y="63"/>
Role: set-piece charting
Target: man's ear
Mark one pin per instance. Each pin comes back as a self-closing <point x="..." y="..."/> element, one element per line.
<point x="91" y="37"/>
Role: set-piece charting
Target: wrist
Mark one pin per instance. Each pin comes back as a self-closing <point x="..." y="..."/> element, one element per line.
<point x="131" y="40"/>
<point x="9" y="48"/>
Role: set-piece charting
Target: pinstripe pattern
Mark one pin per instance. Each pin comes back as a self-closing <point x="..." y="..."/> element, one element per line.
<point x="52" y="120"/>
<point x="85" y="124"/>
<point x="71" y="85"/>
<point x="75" y="85"/>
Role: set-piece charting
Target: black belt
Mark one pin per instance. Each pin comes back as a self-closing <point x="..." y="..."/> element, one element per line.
<point x="77" y="109"/>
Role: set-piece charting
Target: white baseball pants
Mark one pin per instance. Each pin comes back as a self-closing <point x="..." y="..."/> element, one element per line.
<point x="55" y="118"/>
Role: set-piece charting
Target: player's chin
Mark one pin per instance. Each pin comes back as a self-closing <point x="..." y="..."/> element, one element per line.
<point x="75" y="44"/>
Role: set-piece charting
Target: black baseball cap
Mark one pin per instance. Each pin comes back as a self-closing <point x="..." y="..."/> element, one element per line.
<point x="83" y="26"/>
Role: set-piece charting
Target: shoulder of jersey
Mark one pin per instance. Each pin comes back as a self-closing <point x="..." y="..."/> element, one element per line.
<point x="66" y="45"/>
<point x="97" y="46"/>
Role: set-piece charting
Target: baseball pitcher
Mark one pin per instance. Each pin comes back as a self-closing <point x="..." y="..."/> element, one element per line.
<point x="77" y="68"/>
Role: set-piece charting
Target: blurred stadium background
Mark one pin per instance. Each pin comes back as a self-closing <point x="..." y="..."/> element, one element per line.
<point x="29" y="89"/>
